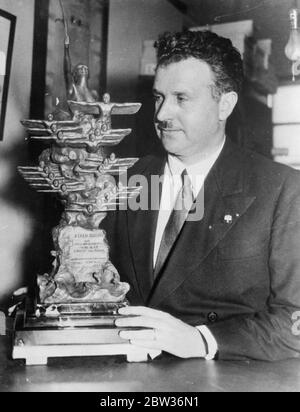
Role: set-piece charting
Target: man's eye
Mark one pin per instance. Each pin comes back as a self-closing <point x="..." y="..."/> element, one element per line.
<point x="157" y="98"/>
<point x="181" y="99"/>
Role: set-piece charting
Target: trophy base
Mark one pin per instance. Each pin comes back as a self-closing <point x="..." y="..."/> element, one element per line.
<point x="70" y="334"/>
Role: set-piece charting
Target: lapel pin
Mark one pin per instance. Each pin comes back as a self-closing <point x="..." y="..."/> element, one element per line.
<point x="228" y="219"/>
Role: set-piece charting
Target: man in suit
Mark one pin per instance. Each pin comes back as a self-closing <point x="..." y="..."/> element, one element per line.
<point x="227" y="285"/>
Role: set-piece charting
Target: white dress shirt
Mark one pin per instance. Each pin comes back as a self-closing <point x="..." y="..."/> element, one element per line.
<point x="172" y="184"/>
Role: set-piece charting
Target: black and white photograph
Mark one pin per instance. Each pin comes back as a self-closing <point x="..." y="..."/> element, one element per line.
<point x="149" y="199"/>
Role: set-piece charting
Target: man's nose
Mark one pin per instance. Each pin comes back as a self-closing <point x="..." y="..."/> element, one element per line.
<point x="163" y="112"/>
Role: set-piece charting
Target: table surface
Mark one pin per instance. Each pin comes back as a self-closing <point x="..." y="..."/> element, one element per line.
<point x="165" y="374"/>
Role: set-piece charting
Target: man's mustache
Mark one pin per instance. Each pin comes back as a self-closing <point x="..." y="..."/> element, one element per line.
<point x="166" y="124"/>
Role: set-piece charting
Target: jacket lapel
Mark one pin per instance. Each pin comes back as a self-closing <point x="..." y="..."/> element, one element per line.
<point x="142" y="227"/>
<point x="225" y="201"/>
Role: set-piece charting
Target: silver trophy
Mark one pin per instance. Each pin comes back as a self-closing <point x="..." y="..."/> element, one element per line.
<point x="78" y="301"/>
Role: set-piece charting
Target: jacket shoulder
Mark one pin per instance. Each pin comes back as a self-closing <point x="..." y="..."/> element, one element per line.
<point x="265" y="169"/>
<point x="152" y="162"/>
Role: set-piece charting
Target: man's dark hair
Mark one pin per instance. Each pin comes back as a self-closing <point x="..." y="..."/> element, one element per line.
<point x="224" y="60"/>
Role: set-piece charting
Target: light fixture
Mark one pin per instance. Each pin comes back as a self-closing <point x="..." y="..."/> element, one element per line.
<point x="292" y="49"/>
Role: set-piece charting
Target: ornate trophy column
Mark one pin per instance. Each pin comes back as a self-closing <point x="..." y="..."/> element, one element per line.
<point x="78" y="301"/>
<point x="77" y="170"/>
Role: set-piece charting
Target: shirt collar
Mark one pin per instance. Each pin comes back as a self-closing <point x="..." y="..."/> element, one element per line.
<point x="197" y="172"/>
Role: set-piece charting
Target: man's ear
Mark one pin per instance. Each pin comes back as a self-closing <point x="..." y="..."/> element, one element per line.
<point x="227" y="104"/>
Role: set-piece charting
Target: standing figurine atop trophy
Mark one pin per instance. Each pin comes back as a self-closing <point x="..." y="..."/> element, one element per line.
<point x="79" y="299"/>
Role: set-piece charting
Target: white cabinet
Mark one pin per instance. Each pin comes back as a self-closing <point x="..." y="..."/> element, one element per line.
<point x="286" y="125"/>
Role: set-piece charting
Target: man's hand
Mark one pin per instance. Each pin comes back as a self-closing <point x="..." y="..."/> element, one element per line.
<point x="166" y="332"/>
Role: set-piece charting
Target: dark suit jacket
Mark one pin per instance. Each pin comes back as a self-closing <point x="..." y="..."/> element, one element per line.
<point x="241" y="278"/>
